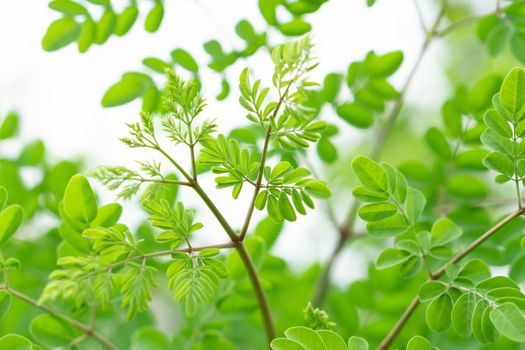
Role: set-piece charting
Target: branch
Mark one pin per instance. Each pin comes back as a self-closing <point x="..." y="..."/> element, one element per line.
<point x="239" y="246"/>
<point x="161" y="181"/>
<point x="259" y="292"/>
<point x="167" y="252"/>
<point x="257" y="188"/>
<point x="460" y="23"/>
<point x="347" y="227"/>
<point x="457" y="258"/>
<point x="87" y="330"/>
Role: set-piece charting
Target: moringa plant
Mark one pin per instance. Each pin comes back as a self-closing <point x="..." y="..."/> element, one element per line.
<point x="443" y="244"/>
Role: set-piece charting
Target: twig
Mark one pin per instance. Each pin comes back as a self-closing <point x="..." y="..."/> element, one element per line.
<point x="457" y="258"/>
<point x="87" y="330"/>
<point x="239" y="246"/>
<point x="347" y="227"/>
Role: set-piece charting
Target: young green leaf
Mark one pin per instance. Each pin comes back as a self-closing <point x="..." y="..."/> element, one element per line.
<point x="10" y="220"/>
<point x="512" y="93"/>
<point x="509" y="321"/>
<point x="462" y="314"/>
<point x="438" y="313"/>
<point x="79" y="200"/>
<point x="371" y="174"/>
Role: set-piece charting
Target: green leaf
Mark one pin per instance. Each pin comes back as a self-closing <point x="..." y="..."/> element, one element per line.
<point x="415" y="204"/>
<point x="412" y="266"/>
<point x="391" y="257"/>
<point x="306" y="337"/>
<point x="280" y="169"/>
<point x="438" y="313"/>
<point x="105" y="26"/>
<point x="431" y="290"/>
<point x="74" y="238"/>
<point x="209" y="252"/>
<point x="107" y="215"/>
<point x="286" y="208"/>
<point x="326" y="150"/>
<point x="390" y="227"/>
<point x="125" y="20"/>
<point x="87" y="35"/>
<point x="371" y="174"/>
<point x="185" y="60"/>
<point x="317" y="189"/>
<point x="361" y="193"/>
<point x="490" y="332"/>
<point x="332" y="340"/>
<point x="512" y="93"/>
<point x="497" y="282"/>
<point x="444" y="231"/>
<point x="154" y="18"/>
<point x="356" y="115"/>
<point x="377" y="211"/>
<point x="462" y="313"/>
<point x="357" y="343"/>
<point x="9" y="126"/>
<point x="509" y="321"/>
<point x="295" y="27"/>
<point x="285" y="344"/>
<point x="517" y="45"/>
<point x="331" y="86"/>
<point x="397" y="183"/>
<point x="60" y="33"/>
<point x="477" y="321"/>
<point x="497" y="38"/>
<point x="68" y="7"/>
<point x="383" y="65"/>
<point x="149" y="338"/>
<point x="438" y="143"/>
<point x="497" y="123"/>
<point x="418" y="343"/>
<point x="499" y="162"/>
<point x="10" y="220"/>
<point x="16" y="342"/>
<point x="52" y="331"/>
<point x="476" y="270"/>
<point x="5" y="303"/>
<point x="80" y="202"/>
<point x="130" y="86"/>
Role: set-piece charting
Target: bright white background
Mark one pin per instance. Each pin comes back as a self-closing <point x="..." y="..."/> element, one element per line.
<point x="58" y="94"/>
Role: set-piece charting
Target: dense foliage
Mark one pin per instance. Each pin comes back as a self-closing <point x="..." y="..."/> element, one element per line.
<point x="445" y="243"/>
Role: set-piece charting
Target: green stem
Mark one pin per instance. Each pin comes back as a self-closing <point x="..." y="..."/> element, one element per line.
<point x="257" y="188"/>
<point x="243" y="253"/>
<point x="87" y="330"/>
<point x="457" y="258"/>
<point x="259" y="292"/>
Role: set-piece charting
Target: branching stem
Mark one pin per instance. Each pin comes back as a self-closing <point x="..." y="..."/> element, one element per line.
<point x="87" y="330"/>
<point x="346" y="229"/>
<point x="436" y="275"/>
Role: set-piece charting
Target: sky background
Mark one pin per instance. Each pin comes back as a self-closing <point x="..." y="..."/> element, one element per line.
<point x="58" y="94"/>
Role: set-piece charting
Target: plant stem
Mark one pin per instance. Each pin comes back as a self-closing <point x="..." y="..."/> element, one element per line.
<point x="217" y="213"/>
<point x="257" y="188"/>
<point x="241" y="249"/>
<point x="87" y="330"/>
<point x="259" y="292"/>
<point x="457" y="258"/>
<point x="346" y="229"/>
